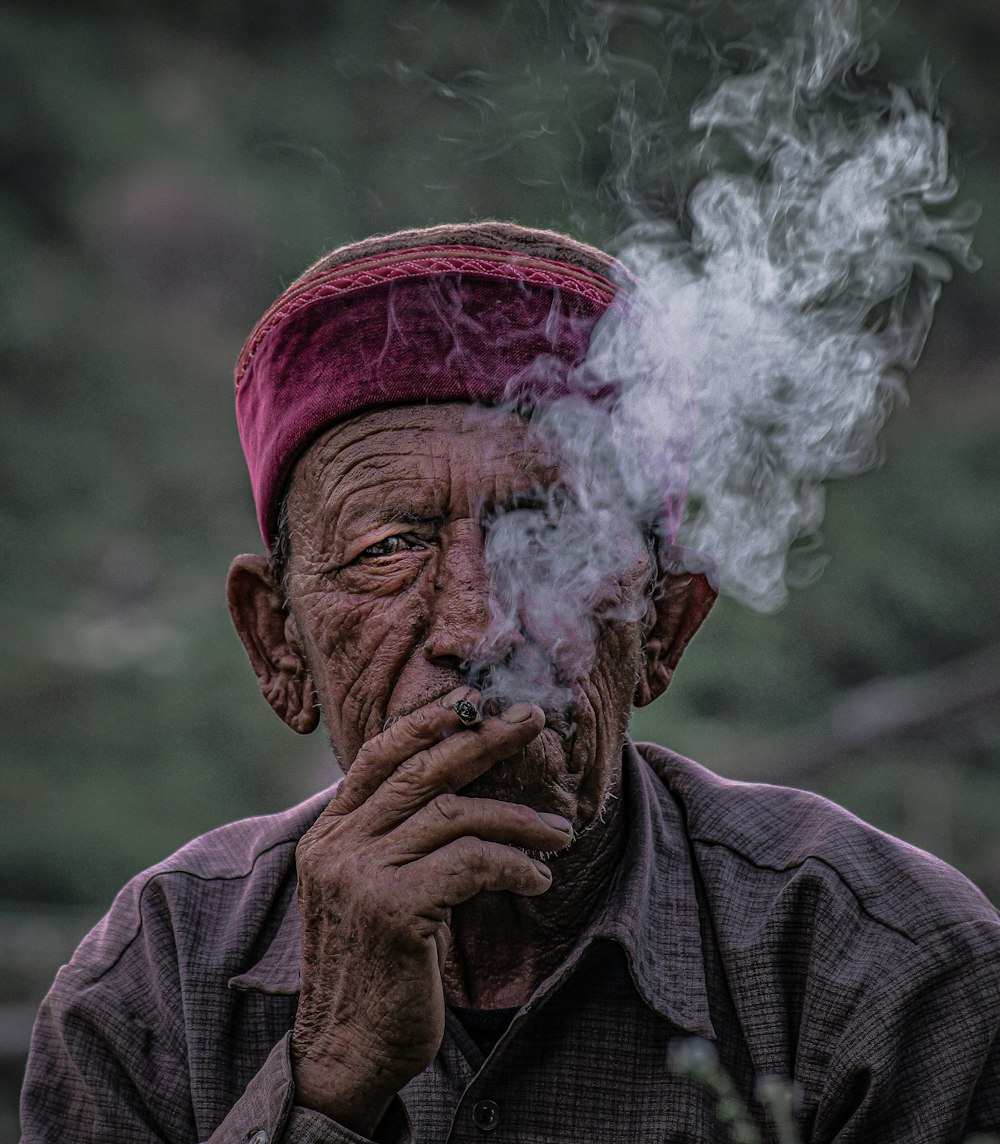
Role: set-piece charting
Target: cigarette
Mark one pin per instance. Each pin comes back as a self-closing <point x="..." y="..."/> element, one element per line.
<point x="468" y="713"/>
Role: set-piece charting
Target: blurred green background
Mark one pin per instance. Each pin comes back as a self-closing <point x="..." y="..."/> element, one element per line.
<point x="164" y="170"/>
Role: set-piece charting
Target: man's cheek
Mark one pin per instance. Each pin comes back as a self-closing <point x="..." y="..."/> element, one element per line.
<point x="362" y="625"/>
<point x="363" y="654"/>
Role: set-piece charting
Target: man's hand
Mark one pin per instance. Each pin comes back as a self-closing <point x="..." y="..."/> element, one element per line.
<point x="378" y="875"/>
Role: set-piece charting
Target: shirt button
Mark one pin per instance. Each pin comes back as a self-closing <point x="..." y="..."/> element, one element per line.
<point x="486" y="1115"/>
<point x="258" y="1136"/>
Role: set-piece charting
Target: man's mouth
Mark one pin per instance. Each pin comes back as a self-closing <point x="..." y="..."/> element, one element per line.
<point x="562" y="723"/>
<point x="557" y="719"/>
<point x="424" y="701"/>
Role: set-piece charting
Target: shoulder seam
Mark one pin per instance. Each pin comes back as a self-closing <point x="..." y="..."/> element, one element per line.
<point x="191" y="874"/>
<point x="775" y="869"/>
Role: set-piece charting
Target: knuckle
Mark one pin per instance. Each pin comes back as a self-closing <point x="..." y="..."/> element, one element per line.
<point x="472" y="853"/>
<point x="407" y="785"/>
<point x="415" y="726"/>
<point x="425" y="774"/>
<point x="447" y="806"/>
<point x="435" y="755"/>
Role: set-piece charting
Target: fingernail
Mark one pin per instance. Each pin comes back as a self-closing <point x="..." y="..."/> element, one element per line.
<point x="517" y="713"/>
<point x="453" y="697"/>
<point x="557" y="821"/>
<point x="541" y="868"/>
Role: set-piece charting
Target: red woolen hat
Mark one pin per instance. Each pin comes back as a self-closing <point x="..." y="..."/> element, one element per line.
<point x="479" y="313"/>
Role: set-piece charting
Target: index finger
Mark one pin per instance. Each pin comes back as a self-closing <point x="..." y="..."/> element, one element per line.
<point x="408" y="736"/>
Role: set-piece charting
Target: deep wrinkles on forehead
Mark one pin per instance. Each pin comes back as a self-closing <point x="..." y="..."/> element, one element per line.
<point x="341" y="475"/>
<point x="331" y="462"/>
<point x="371" y="482"/>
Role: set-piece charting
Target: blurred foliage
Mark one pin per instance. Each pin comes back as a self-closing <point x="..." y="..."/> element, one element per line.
<point x="164" y="171"/>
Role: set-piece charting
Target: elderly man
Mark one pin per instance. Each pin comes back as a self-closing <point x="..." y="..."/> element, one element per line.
<point x="504" y="915"/>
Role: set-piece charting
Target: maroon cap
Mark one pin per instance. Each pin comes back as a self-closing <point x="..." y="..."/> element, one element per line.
<point x="423" y="324"/>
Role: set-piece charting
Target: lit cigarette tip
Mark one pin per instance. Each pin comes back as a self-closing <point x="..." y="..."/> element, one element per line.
<point x="468" y="713"/>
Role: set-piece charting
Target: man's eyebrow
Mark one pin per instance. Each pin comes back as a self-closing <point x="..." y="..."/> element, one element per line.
<point x="540" y="497"/>
<point x="407" y="516"/>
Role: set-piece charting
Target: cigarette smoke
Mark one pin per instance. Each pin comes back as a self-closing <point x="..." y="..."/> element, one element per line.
<point x="759" y="350"/>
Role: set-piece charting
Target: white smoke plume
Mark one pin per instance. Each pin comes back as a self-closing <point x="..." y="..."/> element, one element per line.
<point x="762" y="346"/>
<point x="806" y="293"/>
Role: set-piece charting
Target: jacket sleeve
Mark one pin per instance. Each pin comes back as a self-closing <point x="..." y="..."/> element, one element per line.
<point x="98" y="1072"/>
<point x="95" y="1074"/>
<point x="266" y="1113"/>
<point x="140" y="1040"/>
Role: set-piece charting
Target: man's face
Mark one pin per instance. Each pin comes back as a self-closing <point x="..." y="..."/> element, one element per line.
<point x="389" y="589"/>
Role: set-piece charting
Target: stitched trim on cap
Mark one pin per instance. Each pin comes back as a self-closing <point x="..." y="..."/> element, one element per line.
<point x="422" y="262"/>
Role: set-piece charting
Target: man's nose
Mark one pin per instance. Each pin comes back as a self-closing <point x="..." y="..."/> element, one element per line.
<point x="462" y="629"/>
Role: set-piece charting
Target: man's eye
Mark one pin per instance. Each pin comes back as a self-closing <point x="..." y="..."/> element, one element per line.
<point x="388" y="547"/>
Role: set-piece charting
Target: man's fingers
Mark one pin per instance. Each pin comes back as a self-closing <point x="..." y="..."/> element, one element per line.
<point x="450" y="816"/>
<point x="464" y="868"/>
<point x="449" y="766"/>
<point x="403" y="739"/>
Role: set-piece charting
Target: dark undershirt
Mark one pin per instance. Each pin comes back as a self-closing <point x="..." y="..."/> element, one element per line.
<point x="484" y="1026"/>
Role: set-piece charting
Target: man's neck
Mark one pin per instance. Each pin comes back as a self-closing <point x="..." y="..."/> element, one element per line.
<point x="504" y="946"/>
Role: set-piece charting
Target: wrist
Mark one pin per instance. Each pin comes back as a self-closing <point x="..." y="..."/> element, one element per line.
<point x="330" y="1089"/>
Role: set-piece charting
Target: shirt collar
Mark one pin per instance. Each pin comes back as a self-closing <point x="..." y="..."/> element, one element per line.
<point x="278" y="970"/>
<point x="652" y="907"/>
<point x="651" y="911"/>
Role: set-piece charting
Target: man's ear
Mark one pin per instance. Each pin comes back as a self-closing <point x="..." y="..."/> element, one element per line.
<point x="679" y="604"/>
<point x="270" y="636"/>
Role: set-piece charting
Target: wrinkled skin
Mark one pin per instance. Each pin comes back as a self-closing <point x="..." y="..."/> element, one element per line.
<point x="414" y="884"/>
